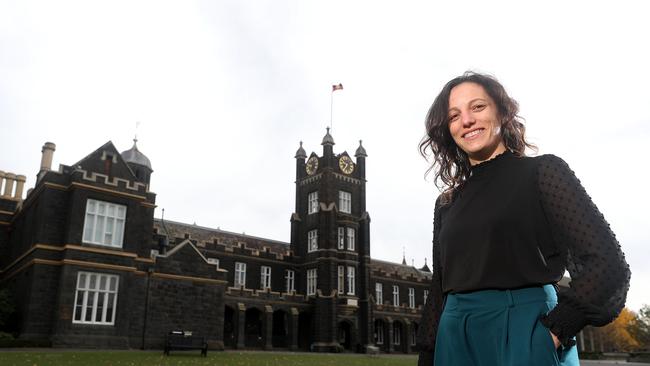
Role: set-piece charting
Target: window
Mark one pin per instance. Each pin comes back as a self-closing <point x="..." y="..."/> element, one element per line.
<point x="290" y="279"/>
<point x="104" y="223"/>
<point x="395" y="295"/>
<point x="414" y="334"/>
<point x="341" y="240"/>
<point x="312" y="240"/>
<point x="265" y="279"/>
<point x="240" y="274"/>
<point x="397" y="334"/>
<point x="341" y="279"/>
<point x="95" y="299"/>
<point x="379" y="293"/>
<point x="379" y="332"/>
<point x="311" y="281"/>
<point x="345" y="202"/>
<point x="426" y="294"/>
<point x="351" y="281"/>
<point x="312" y="202"/>
<point x="411" y="297"/>
<point x="350" y="238"/>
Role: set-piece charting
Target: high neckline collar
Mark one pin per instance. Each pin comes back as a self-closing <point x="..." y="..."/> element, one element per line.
<point x="482" y="166"/>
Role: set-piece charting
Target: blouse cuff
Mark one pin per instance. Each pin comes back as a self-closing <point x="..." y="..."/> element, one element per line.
<point x="565" y="322"/>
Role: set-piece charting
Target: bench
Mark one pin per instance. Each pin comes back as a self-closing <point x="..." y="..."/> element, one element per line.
<point x="184" y="340"/>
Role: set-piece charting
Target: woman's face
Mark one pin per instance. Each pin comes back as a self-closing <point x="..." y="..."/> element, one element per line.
<point x="474" y="123"/>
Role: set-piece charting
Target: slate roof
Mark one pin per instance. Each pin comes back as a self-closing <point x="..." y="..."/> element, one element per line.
<point x="206" y="234"/>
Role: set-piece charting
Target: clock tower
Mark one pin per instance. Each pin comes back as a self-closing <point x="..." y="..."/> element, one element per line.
<point x="331" y="244"/>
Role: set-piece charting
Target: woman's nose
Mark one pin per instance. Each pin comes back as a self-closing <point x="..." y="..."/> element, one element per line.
<point x="467" y="119"/>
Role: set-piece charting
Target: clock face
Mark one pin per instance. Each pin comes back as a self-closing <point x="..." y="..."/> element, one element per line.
<point x="312" y="165"/>
<point x="346" y="164"/>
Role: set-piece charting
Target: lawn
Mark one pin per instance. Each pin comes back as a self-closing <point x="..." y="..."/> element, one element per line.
<point x="229" y="358"/>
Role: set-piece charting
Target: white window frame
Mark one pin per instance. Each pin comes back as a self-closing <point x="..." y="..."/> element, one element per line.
<point x="89" y="294"/>
<point x="414" y="335"/>
<point x="341" y="279"/>
<point x="351" y="279"/>
<point x="426" y="294"/>
<point x="312" y="240"/>
<point x="341" y="237"/>
<point x="397" y="335"/>
<point x="290" y="277"/>
<point x="312" y="278"/>
<point x="379" y="332"/>
<point x="379" y="293"/>
<point x="104" y="223"/>
<point x="345" y="201"/>
<point x="350" y="238"/>
<point x="265" y="277"/>
<point x="312" y="202"/>
<point x="240" y="274"/>
<point x="411" y="297"/>
<point x="395" y="295"/>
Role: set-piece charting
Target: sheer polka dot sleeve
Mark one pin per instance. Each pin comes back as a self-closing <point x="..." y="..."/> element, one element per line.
<point x="432" y="310"/>
<point x="599" y="273"/>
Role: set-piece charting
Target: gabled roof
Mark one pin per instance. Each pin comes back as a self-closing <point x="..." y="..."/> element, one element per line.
<point x="87" y="162"/>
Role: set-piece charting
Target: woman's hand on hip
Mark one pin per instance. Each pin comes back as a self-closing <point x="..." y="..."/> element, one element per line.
<point x="556" y="341"/>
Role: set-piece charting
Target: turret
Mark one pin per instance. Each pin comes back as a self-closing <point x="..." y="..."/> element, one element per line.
<point x="328" y="148"/>
<point x="139" y="163"/>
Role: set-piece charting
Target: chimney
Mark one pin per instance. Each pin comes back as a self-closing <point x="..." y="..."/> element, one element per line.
<point x="46" y="159"/>
<point x="20" y="183"/>
<point x="9" y="185"/>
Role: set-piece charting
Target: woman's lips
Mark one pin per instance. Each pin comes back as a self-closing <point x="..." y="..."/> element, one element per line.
<point x="473" y="134"/>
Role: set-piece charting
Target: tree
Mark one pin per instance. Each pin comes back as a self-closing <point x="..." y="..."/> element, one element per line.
<point x="619" y="336"/>
<point x="640" y="328"/>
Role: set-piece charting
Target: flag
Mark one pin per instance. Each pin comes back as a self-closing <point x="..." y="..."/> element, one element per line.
<point x="337" y="87"/>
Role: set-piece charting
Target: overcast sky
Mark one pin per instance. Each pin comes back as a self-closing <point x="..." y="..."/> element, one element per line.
<point x="225" y="90"/>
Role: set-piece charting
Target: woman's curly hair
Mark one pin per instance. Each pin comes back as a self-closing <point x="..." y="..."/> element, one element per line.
<point x="451" y="163"/>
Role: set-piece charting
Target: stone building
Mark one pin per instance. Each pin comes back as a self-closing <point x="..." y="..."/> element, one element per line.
<point x="88" y="265"/>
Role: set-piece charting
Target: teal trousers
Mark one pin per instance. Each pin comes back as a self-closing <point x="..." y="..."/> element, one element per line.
<point x="499" y="328"/>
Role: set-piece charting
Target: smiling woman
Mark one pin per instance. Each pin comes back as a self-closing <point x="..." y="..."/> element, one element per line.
<point x="506" y="228"/>
<point x="474" y="122"/>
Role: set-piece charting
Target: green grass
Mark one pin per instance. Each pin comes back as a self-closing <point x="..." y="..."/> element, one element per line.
<point x="191" y="358"/>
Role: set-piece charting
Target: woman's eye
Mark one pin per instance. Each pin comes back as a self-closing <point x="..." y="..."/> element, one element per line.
<point x="453" y="117"/>
<point x="478" y="107"/>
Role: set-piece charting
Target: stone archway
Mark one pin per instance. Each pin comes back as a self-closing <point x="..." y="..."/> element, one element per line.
<point x="304" y="330"/>
<point x="413" y="336"/>
<point x="344" y="335"/>
<point x="253" y="328"/>
<point x="380" y="334"/>
<point x="229" y="329"/>
<point x="398" y="337"/>
<point x="280" y="335"/>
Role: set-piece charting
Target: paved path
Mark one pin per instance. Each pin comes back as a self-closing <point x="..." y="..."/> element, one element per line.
<point x="607" y="363"/>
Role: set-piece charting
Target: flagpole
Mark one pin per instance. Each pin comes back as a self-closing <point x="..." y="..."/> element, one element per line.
<point x="331" y="106"/>
<point x="335" y="87"/>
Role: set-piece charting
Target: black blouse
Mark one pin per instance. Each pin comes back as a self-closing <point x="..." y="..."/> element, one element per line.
<point x="519" y="222"/>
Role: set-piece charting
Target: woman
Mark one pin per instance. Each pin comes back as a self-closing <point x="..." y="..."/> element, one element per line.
<point x="505" y="229"/>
